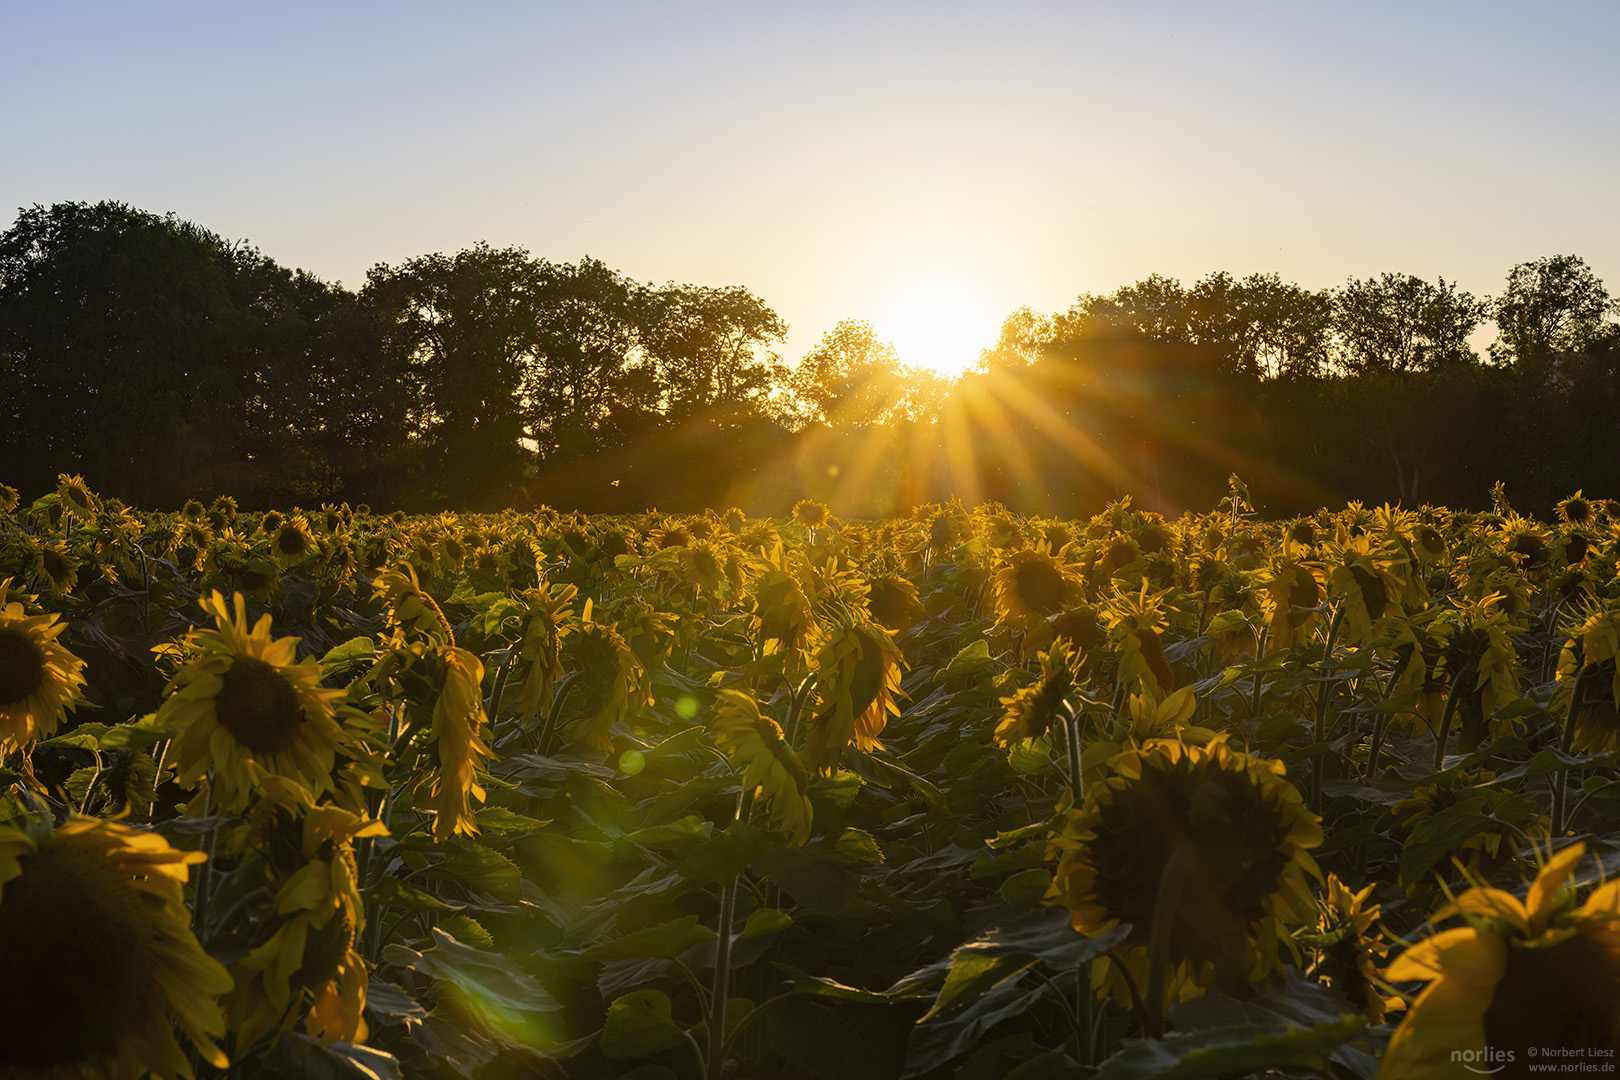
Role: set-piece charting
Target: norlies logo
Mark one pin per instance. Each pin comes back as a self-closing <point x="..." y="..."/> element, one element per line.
<point x="1485" y="1062"/>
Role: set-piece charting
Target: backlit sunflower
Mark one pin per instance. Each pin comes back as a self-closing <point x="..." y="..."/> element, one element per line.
<point x="56" y="566"/>
<point x="1593" y="647"/>
<point x="1032" y="585"/>
<point x="1293" y="595"/>
<point x="409" y="604"/>
<point x="606" y="673"/>
<point x="39" y="678"/>
<point x="809" y="513"/>
<point x="75" y="496"/>
<point x="754" y="741"/>
<point x="99" y="958"/>
<point x="548" y="623"/>
<point x="893" y="602"/>
<point x="1032" y="710"/>
<point x="458" y="720"/>
<point x="1359" y="576"/>
<point x="246" y="707"/>
<point x="1213" y="836"/>
<point x="782" y="610"/>
<point x="1520" y="976"/>
<point x="1350" y="950"/>
<point x="1136" y="621"/>
<point x="857" y="681"/>
<point x="312" y="950"/>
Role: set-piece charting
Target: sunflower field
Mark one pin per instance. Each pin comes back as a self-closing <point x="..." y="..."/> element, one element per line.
<point x="345" y="793"/>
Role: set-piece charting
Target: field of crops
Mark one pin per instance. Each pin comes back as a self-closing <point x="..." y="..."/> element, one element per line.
<point x="345" y="793"/>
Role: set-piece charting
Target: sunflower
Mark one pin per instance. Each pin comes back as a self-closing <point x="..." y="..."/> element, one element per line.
<point x="782" y="610"/>
<point x="1136" y="622"/>
<point x="292" y="543"/>
<point x="857" y="681"/>
<point x="458" y="718"/>
<point x="409" y="604"/>
<point x="96" y="944"/>
<point x="650" y="636"/>
<point x="39" y="678"/>
<point x="75" y="496"/>
<point x="893" y="602"/>
<point x="809" y="513"/>
<point x="1360" y="576"/>
<point x="56" y="565"/>
<point x="1519" y="976"/>
<point x="312" y="951"/>
<point x="773" y="771"/>
<point x="548" y="624"/>
<point x="1350" y="955"/>
<point x="246" y="708"/>
<point x="1576" y="510"/>
<point x="8" y="498"/>
<point x="606" y="672"/>
<point x="1293" y="595"/>
<point x="1223" y="832"/>
<point x="1032" y="710"/>
<point x="1032" y="585"/>
<point x="1593" y="647"/>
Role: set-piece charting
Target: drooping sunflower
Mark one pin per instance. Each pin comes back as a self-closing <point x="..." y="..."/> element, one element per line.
<point x="39" y="678"/>
<point x="311" y="953"/>
<point x="1221" y="833"/>
<point x="1359" y="576"/>
<point x="893" y="602"/>
<point x="56" y="566"/>
<point x="1293" y="596"/>
<point x="458" y="721"/>
<point x="782" y="610"/>
<point x="857" y="681"/>
<point x="1351" y="950"/>
<point x="1521" y="975"/>
<point x="1032" y="710"/>
<point x="754" y="741"/>
<point x="548" y="624"/>
<point x="246" y="707"/>
<point x="1136" y="622"/>
<point x="1032" y="585"/>
<point x="8" y="498"/>
<point x="606" y="672"/>
<point x="1593" y="648"/>
<point x="409" y="604"/>
<point x="100" y="960"/>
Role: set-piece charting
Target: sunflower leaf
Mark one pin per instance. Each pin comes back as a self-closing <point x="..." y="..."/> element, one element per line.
<point x="665" y="941"/>
<point x="296" y="1054"/>
<point x="1235" y="1050"/>
<point x="639" y="1024"/>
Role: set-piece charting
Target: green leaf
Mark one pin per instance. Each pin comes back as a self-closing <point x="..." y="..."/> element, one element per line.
<point x="392" y="892"/>
<point x="392" y="1004"/>
<point x="971" y="976"/>
<point x="816" y="986"/>
<point x="678" y="833"/>
<point x="482" y="868"/>
<point x="858" y="845"/>
<point x="968" y="660"/>
<point x="137" y="736"/>
<point x="816" y="881"/>
<point x="1440" y="834"/>
<point x="1228" y="1051"/>
<point x="487" y="983"/>
<point x="664" y="941"/>
<point x="639" y="1024"/>
<point x="499" y="821"/>
<point x="352" y="653"/>
<point x="296" y="1054"/>
<point x="725" y="854"/>
<point x="1026" y="887"/>
<point x="83" y="737"/>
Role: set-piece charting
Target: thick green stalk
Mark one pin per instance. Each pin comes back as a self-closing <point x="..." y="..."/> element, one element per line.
<point x="721" y="986"/>
<point x="1323" y="694"/>
<point x="1172" y="881"/>
<point x="1445" y="716"/>
<point x="1566" y="743"/>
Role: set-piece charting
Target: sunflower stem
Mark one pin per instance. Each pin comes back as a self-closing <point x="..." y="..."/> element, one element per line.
<point x="1259" y="676"/>
<point x="1071" y="736"/>
<point x="722" y="956"/>
<point x="554" y="714"/>
<point x="1323" y="694"/>
<point x="795" y="707"/>
<point x="1566" y="743"/>
<point x="1445" y="717"/>
<point x="498" y="689"/>
<point x="1172" y="880"/>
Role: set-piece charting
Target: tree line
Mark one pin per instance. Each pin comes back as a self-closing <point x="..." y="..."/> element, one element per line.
<point x="163" y="362"/>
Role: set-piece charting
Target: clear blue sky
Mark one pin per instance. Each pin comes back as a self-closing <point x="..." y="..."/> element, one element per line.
<point x="828" y="155"/>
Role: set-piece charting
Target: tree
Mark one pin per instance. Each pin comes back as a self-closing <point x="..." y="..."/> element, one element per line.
<point x="465" y="326"/>
<point x="710" y="349"/>
<point x="1398" y="324"/>
<point x="582" y="393"/>
<point x="1552" y="306"/>
<point x="1260" y="327"/>
<point x="1024" y="335"/>
<point x="852" y="378"/>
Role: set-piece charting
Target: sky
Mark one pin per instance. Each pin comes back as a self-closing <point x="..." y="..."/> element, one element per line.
<point x="896" y="162"/>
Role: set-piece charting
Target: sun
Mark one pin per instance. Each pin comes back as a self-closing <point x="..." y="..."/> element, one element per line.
<point x="938" y="321"/>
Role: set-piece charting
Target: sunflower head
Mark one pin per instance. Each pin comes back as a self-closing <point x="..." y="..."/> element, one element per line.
<point x="857" y="683"/>
<point x="1032" y="585"/>
<point x="810" y="514"/>
<point x="1519" y="975"/>
<point x="94" y="926"/>
<point x="1215" y="838"/>
<point x="246" y="707"/>
<point x="606" y="670"/>
<point x="893" y="601"/>
<point x="292" y="543"/>
<point x="772" y="770"/>
<point x="39" y="678"/>
<point x="1032" y="710"/>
